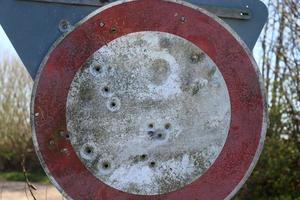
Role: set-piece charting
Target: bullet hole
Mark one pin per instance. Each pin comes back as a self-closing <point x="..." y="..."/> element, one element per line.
<point x="143" y="157"/>
<point x="151" y="125"/>
<point x="151" y="133"/>
<point x="152" y="164"/>
<point x="114" y="104"/>
<point x="194" y="58"/>
<point x="105" y="165"/>
<point x="113" y="30"/>
<point x="197" y="57"/>
<point x="51" y="142"/>
<point x="160" y="136"/>
<point x="167" y="126"/>
<point x="88" y="150"/>
<point x="183" y="19"/>
<point x="106" y="89"/>
<point x="157" y="135"/>
<point x="98" y="68"/>
<point x="67" y="136"/>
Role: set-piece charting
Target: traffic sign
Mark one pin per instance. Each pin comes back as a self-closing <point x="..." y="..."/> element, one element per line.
<point x="149" y="99"/>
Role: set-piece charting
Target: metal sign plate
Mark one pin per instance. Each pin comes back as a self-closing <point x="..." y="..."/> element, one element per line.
<point x="33" y="26"/>
<point x="174" y="96"/>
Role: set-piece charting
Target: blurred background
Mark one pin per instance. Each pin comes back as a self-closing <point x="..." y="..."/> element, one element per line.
<point x="277" y="174"/>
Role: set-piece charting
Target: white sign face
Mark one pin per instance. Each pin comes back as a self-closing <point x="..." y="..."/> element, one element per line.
<point x="148" y="113"/>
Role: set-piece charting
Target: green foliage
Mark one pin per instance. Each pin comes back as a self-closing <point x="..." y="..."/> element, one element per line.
<point x="281" y="197"/>
<point x="277" y="174"/>
<point x="19" y="176"/>
<point x="15" y="134"/>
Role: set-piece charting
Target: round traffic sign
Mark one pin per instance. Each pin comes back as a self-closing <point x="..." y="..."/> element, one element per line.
<point x="136" y="103"/>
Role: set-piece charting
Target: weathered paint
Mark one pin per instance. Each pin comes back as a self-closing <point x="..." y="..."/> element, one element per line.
<point x="148" y="113"/>
<point x="216" y="39"/>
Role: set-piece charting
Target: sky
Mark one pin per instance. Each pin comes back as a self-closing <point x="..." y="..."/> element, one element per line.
<point x="5" y="45"/>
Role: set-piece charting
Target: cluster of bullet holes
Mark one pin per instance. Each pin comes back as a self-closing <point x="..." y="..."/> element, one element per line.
<point x="89" y="153"/>
<point x="53" y="142"/>
<point x="144" y="158"/>
<point x="156" y="134"/>
<point x="113" y="104"/>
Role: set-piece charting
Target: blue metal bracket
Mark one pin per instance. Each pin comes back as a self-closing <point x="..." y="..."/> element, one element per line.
<point x="33" y="26"/>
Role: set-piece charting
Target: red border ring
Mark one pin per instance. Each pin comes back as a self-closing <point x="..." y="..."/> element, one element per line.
<point x="248" y="108"/>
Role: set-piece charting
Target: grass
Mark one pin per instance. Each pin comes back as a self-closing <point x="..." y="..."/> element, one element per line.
<point x="19" y="176"/>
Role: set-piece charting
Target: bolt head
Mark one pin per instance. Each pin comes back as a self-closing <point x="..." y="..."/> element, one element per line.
<point x="183" y="19"/>
<point x="102" y="24"/>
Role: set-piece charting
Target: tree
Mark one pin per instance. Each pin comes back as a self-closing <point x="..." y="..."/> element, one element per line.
<point x="15" y="87"/>
<point x="277" y="175"/>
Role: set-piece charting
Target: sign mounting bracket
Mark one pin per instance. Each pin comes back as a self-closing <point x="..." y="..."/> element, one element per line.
<point x="222" y="12"/>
